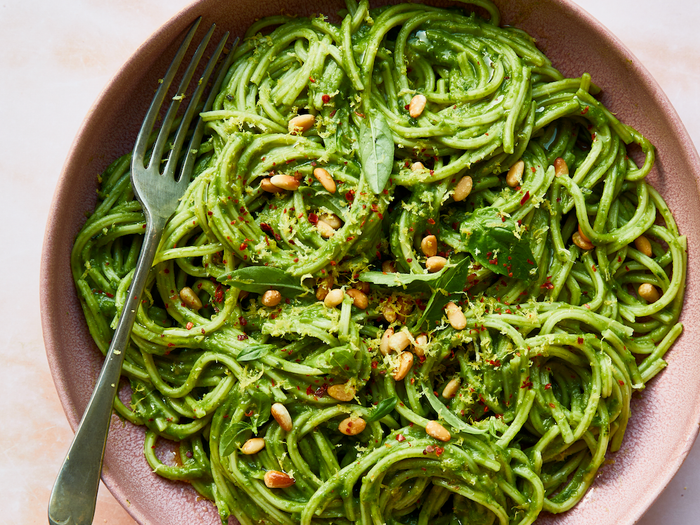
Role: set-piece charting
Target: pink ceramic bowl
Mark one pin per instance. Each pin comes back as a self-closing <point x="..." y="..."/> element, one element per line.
<point x="665" y="417"/>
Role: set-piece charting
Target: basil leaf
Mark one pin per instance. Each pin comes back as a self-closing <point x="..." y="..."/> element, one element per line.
<point x="447" y="414"/>
<point x="376" y="148"/>
<point x="259" y="279"/>
<point x="492" y="241"/>
<point x="253" y="352"/>
<point x="451" y="282"/>
<point x="233" y="435"/>
<point x="384" y="407"/>
<point x="341" y="361"/>
<point x="261" y="406"/>
<point x="402" y="279"/>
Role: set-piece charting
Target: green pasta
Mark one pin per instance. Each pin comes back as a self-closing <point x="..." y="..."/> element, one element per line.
<point x="416" y="278"/>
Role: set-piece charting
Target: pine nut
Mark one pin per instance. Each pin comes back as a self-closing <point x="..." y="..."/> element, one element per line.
<point x="417" y="105"/>
<point x="463" y="188"/>
<point x="583" y="235"/>
<point x="648" y="292"/>
<point x="421" y="345"/>
<point x="429" y="245"/>
<point x="332" y="220"/>
<point x="515" y="174"/>
<point x="581" y="242"/>
<point x="352" y="426"/>
<point x="301" y="124"/>
<point x="274" y="479"/>
<point x="435" y="264"/>
<point x="451" y="388"/>
<point x="334" y="298"/>
<point x="324" y="286"/>
<point x="271" y="298"/>
<point x="253" y="446"/>
<point x="436" y="430"/>
<point x="643" y="245"/>
<point x="325" y="229"/>
<point x="345" y="392"/>
<point x="389" y="312"/>
<point x="388" y="267"/>
<point x="417" y="166"/>
<point x="362" y="286"/>
<point x="285" y="182"/>
<point x="403" y="308"/>
<point x="456" y="317"/>
<point x="384" y="347"/>
<point x="399" y="341"/>
<point x="359" y="298"/>
<point x="405" y="364"/>
<point x="560" y="167"/>
<point x="190" y="298"/>
<point x="266" y="185"/>
<point x="281" y="415"/>
<point x="325" y="179"/>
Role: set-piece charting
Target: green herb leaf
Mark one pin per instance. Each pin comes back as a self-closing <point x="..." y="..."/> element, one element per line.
<point x="261" y="404"/>
<point x="492" y="241"/>
<point x="233" y="435"/>
<point x="259" y="279"/>
<point x="376" y="147"/>
<point x="451" y="282"/>
<point x="340" y="362"/>
<point x="253" y="352"/>
<point x="384" y="407"/>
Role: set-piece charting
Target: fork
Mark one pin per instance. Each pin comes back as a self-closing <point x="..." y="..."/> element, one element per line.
<point x="74" y="493"/>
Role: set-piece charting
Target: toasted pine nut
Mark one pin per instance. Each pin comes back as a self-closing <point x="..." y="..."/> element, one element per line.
<point x="362" y="286"/>
<point x="325" y="179"/>
<point x="560" y="167"/>
<point x="403" y="308"/>
<point x="334" y="298"/>
<point x="359" y="298"/>
<point x="436" y="430"/>
<point x="345" y="392"/>
<point x="190" y="298"/>
<point x="417" y="105"/>
<point x="274" y="479"/>
<point x="515" y="174"/>
<point x="429" y="245"/>
<point x="583" y="235"/>
<point x="648" y="292"/>
<point x="271" y="298"/>
<point x="332" y="220"/>
<point x="399" y="341"/>
<point x="405" y="364"/>
<point x="266" y="185"/>
<point x="324" y="286"/>
<point x="384" y="347"/>
<point x="325" y="229"/>
<point x="389" y="312"/>
<point x="281" y="415"/>
<point x="388" y="267"/>
<point x="417" y="166"/>
<point x="351" y="426"/>
<point x="451" y="388"/>
<point x="301" y="124"/>
<point x="456" y="317"/>
<point x="463" y="188"/>
<point x="285" y="182"/>
<point x="253" y="446"/>
<point x="435" y="264"/>
<point x="643" y="245"/>
<point x="581" y="242"/>
<point x="421" y="344"/>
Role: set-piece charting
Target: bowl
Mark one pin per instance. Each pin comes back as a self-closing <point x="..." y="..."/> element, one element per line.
<point x="665" y="416"/>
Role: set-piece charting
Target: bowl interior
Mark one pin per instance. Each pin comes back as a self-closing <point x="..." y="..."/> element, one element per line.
<point x="665" y="416"/>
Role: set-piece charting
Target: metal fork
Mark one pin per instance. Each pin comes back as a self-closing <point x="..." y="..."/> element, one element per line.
<point x="74" y="493"/>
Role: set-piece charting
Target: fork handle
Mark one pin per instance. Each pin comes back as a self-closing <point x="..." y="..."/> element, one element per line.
<point x="74" y="493"/>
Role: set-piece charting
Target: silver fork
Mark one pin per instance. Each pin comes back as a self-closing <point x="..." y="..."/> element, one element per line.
<point x="74" y="493"/>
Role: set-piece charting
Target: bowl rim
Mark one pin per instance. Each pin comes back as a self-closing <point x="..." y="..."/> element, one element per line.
<point x="51" y="325"/>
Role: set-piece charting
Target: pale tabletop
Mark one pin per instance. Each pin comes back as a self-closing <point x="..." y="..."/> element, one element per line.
<point x="55" y="58"/>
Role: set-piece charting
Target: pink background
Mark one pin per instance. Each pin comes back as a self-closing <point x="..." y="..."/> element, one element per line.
<point x="55" y="59"/>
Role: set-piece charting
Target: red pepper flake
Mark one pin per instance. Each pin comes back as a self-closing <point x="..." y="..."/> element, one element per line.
<point x="189" y="325"/>
<point x="400" y="438"/>
<point x="585" y="110"/>
<point x="313" y="218"/>
<point x="594" y="268"/>
<point x="552" y="405"/>
<point x="622" y="383"/>
<point x="439" y="451"/>
<point x="250" y="413"/>
<point x="527" y="383"/>
<point x="548" y="386"/>
<point x="243" y="246"/>
<point x="431" y="221"/>
<point x="166" y="271"/>
<point x="242" y="321"/>
<point x="350" y="196"/>
<point x="374" y="364"/>
<point x="332" y="114"/>
<point x="312" y="80"/>
<point x="326" y="99"/>
<point x="242" y="337"/>
<point x="580" y="340"/>
<point x="525" y="197"/>
<point x="428" y="450"/>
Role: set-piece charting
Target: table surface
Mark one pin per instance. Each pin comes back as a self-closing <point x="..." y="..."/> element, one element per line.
<point x="55" y="58"/>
